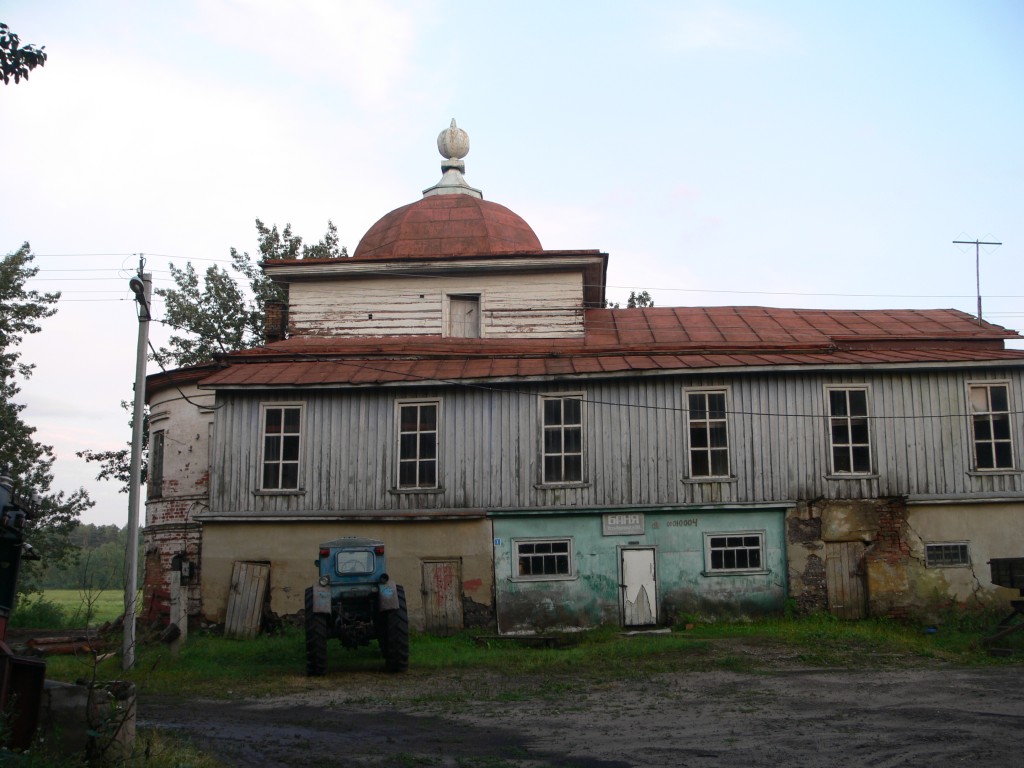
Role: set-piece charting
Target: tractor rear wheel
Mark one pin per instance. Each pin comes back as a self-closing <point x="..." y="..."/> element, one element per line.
<point x="396" y="647"/>
<point x="316" y="638"/>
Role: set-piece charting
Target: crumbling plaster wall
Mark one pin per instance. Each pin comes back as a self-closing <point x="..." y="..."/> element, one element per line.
<point x="897" y="580"/>
<point x="290" y="547"/>
<point x="184" y="414"/>
<point x="991" y="530"/>
<point x="809" y="525"/>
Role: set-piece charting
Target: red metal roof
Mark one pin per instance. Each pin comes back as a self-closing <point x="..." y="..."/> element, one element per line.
<point x="447" y="225"/>
<point x="623" y="341"/>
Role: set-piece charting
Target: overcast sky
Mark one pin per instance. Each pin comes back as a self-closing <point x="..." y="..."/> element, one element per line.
<point x="779" y="153"/>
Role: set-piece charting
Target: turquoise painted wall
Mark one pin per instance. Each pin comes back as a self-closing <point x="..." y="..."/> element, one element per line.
<point x="591" y="597"/>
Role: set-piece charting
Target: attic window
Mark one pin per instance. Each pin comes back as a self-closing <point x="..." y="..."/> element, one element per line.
<point x="464" y="315"/>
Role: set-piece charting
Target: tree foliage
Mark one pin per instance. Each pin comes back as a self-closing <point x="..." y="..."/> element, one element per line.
<point x="222" y="311"/>
<point x="17" y="60"/>
<point x="639" y="300"/>
<point x="219" y="312"/>
<point x="116" y="465"/>
<point x="27" y="462"/>
<point x="100" y="562"/>
<point x="635" y="301"/>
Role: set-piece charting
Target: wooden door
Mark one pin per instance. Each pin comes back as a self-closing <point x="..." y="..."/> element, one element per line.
<point x="442" y="596"/>
<point x="845" y="577"/>
<point x="639" y="587"/>
<point x="245" y="599"/>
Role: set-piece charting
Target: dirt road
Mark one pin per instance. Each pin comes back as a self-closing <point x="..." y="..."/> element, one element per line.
<point x="790" y="716"/>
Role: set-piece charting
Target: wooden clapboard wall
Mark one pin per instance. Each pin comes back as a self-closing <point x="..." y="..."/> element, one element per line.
<point x="635" y="444"/>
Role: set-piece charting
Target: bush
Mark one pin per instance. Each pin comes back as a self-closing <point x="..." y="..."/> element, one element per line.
<point x="39" y="613"/>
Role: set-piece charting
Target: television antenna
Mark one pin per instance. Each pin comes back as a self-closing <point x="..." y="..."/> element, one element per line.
<point x="977" y="265"/>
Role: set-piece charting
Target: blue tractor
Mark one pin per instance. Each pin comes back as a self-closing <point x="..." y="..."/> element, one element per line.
<point x="354" y="601"/>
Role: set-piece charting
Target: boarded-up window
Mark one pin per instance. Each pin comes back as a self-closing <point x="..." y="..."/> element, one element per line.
<point x="464" y="316"/>
<point x="155" y="466"/>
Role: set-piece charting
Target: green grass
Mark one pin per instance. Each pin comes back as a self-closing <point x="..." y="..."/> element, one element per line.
<point x="99" y="606"/>
<point x="153" y="749"/>
<point x="68" y="609"/>
<point x="464" y="670"/>
<point x="210" y="665"/>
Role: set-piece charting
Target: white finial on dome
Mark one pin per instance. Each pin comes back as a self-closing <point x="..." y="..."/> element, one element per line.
<point x="453" y="144"/>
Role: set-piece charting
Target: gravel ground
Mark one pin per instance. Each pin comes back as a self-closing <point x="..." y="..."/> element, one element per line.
<point x="787" y="714"/>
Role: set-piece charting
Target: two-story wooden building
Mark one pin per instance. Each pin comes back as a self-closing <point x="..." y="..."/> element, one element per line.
<point x="537" y="460"/>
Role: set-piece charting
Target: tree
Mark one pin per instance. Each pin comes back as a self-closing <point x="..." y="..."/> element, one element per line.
<point x="116" y="465"/>
<point x="100" y="565"/>
<point x="639" y="300"/>
<point x="221" y="314"/>
<point x="635" y="301"/>
<point x="27" y="462"/>
<point x="217" y="315"/>
<point x="15" y="60"/>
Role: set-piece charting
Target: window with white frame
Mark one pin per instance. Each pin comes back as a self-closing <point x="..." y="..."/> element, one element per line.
<point x="282" y="441"/>
<point x="990" y="426"/>
<point x="464" y="315"/>
<point x="734" y="552"/>
<point x="849" y="430"/>
<point x="946" y="554"/>
<point x="543" y="559"/>
<point x="708" y="433"/>
<point x="563" y="439"/>
<point x="417" y="444"/>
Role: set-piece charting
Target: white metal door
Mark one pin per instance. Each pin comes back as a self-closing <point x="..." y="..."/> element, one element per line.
<point x="639" y="587"/>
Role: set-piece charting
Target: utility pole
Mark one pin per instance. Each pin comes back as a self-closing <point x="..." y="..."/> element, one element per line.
<point x="977" y="266"/>
<point x="141" y="285"/>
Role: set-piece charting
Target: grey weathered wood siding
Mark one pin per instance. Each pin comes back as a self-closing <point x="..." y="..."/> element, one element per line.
<point x="635" y="442"/>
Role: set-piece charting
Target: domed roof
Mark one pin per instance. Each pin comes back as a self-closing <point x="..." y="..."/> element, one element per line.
<point x="452" y="219"/>
<point x="447" y="225"/>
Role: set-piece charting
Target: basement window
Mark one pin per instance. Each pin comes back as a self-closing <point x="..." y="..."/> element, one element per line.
<point x="739" y="552"/>
<point x="546" y="559"/>
<point x="946" y="555"/>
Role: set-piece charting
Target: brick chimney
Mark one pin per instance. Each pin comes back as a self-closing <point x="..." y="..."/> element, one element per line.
<point x="275" y="321"/>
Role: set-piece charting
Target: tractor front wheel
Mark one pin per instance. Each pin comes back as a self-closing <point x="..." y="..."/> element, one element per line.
<point x="396" y="647"/>
<point x="316" y="638"/>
